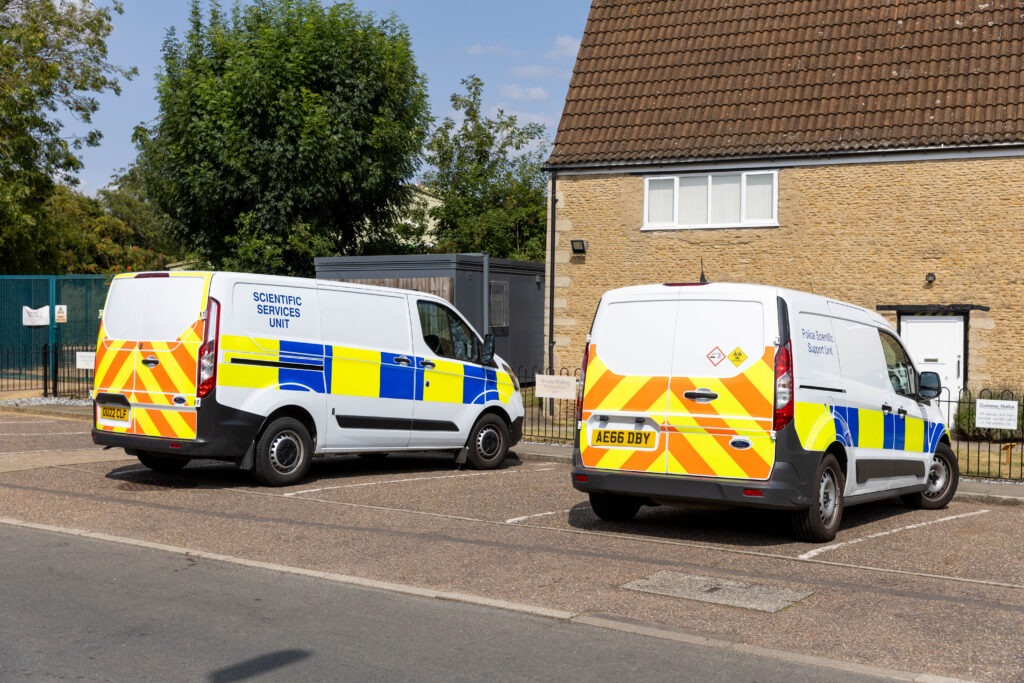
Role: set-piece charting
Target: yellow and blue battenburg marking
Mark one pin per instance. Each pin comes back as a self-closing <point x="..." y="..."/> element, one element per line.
<point x="302" y="366"/>
<point x="819" y="425"/>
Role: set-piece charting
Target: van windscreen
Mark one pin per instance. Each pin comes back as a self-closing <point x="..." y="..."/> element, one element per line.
<point x="153" y="309"/>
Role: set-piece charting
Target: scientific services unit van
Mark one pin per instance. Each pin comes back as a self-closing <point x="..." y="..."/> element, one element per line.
<point x="271" y="371"/>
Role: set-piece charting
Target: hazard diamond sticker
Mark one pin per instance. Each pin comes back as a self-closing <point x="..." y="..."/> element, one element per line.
<point x="716" y="356"/>
<point x="737" y="356"/>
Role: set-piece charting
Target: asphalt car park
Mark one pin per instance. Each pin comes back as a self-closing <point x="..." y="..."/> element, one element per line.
<point x="937" y="592"/>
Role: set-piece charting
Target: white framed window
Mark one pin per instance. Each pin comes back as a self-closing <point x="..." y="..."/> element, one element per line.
<point x="747" y="199"/>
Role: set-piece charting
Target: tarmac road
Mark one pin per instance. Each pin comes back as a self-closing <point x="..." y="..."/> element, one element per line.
<point x="903" y="592"/>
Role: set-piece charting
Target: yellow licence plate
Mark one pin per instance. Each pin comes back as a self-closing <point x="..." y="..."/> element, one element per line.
<point x="623" y="438"/>
<point x="115" y="413"/>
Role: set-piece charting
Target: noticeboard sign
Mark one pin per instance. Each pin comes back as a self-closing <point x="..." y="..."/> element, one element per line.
<point x="991" y="414"/>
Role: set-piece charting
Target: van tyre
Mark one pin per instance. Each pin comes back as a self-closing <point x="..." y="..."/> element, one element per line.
<point x="943" y="478"/>
<point x="820" y="522"/>
<point x="488" y="443"/>
<point x="159" y="463"/>
<point x="284" y="452"/>
<point x="612" y="507"/>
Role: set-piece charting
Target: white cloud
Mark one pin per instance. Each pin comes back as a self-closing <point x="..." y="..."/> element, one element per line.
<point x="518" y="92"/>
<point x="565" y="47"/>
<point x="480" y="49"/>
<point x="534" y="71"/>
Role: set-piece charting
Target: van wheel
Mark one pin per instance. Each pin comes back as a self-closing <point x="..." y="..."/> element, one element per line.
<point x="820" y="522"/>
<point x="159" y="463"/>
<point x="612" y="507"/>
<point x="943" y="478"/>
<point x="488" y="443"/>
<point x="283" y="452"/>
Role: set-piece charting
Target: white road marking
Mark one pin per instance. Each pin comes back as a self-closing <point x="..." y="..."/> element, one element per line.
<point x="824" y="549"/>
<point x="402" y="481"/>
<point x="42" y="433"/>
<point x="516" y="520"/>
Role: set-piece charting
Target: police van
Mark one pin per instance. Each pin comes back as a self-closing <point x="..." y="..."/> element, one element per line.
<point x="271" y="371"/>
<point x="757" y="396"/>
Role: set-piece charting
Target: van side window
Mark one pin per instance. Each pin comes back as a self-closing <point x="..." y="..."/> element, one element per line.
<point x="445" y="333"/>
<point x="897" y="363"/>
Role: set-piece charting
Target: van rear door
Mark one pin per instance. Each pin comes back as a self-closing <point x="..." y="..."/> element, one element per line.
<point x="147" y="351"/>
<point x="625" y="393"/>
<point x="721" y="392"/>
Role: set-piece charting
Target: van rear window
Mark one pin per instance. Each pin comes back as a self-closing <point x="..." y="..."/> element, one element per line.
<point x="153" y="309"/>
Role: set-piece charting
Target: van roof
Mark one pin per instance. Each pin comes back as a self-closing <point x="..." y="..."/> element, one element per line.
<point x="727" y="289"/>
<point x="280" y="280"/>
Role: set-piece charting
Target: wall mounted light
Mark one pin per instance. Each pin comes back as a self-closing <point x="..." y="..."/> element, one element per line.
<point x="578" y="246"/>
<point x="929" y="278"/>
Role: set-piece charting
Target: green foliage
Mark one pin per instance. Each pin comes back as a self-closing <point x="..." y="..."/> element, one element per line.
<point x="488" y="175"/>
<point x="85" y="235"/>
<point x="53" y="59"/>
<point x="286" y="131"/>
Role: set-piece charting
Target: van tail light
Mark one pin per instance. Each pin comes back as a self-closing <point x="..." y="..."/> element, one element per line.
<point x="582" y="383"/>
<point x="208" y="351"/>
<point x="783" y="414"/>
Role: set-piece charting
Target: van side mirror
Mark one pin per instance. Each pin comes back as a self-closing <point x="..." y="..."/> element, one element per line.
<point x="929" y="385"/>
<point x="487" y="352"/>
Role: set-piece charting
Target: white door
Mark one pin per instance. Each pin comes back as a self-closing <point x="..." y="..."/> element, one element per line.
<point x="936" y="343"/>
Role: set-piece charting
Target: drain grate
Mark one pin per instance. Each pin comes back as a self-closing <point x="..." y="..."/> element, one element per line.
<point x="756" y="596"/>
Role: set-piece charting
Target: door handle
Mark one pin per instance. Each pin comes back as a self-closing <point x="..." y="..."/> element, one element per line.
<point x="886" y="408"/>
<point x="701" y="395"/>
<point x="901" y="412"/>
<point x="402" y="360"/>
<point x="428" y="364"/>
<point x="150" y="361"/>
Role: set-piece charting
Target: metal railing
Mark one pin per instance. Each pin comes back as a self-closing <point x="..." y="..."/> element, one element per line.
<point x="983" y="452"/>
<point x="547" y="420"/>
<point x="52" y="371"/>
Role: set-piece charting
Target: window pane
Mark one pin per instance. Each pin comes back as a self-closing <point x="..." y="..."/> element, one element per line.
<point x="760" y="197"/>
<point x="725" y="199"/>
<point x="659" y="200"/>
<point x="693" y="200"/>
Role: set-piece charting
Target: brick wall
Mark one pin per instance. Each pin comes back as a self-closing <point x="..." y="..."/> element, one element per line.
<point x="866" y="233"/>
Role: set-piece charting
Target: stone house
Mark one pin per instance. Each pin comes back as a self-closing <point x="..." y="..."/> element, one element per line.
<point x="868" y="150"/>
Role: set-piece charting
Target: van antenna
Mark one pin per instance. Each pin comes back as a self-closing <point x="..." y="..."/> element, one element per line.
<point x="703" y="280"/>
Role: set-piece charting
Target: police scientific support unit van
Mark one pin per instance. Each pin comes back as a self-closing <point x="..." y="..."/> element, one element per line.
<point x="752" y="395"/>
<point x="270" y="371"/>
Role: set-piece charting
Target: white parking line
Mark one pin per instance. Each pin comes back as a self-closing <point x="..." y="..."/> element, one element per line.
<point x="402" y="481"/>
<point x="516" y="520"/>
<point x="824" y="549"/>
<point x="42" y="433"/>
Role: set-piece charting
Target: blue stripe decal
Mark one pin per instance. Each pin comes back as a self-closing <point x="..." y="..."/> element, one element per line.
<point x="396" y="381"/>
<point x="899" y="433"/>
<point x="292" y="379"/>
<point x="479" y="385"/>
<point x="933" y="432"/>
<point x="847" y="425"/>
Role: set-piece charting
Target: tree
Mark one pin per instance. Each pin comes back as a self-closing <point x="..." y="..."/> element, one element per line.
<point x="53" y="59"/>
<point x="488" y="175"/>
<point x="285" y="132"/>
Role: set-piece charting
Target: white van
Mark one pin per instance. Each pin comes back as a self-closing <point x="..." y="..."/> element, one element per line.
<point x="270" y="371"/>
<point x="752" y="395"/>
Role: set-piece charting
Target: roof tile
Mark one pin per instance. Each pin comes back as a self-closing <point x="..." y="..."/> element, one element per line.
<point x="669" y="80"/>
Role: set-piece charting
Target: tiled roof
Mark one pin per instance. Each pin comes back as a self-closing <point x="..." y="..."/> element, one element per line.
<point x="673" y="80"/>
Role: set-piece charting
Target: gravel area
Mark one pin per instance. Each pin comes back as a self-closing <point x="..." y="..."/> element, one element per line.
<point x="45" y="401"/>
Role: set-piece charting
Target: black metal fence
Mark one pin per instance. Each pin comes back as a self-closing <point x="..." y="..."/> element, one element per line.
<point x="52" y="371"/>
<point x="547" y="420"/>
<point x="986" y="452"/>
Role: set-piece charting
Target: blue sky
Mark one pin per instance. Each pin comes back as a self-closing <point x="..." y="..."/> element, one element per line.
<point x="523" y="50"/>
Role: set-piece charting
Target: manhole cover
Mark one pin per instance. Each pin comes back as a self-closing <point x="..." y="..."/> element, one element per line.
<point x="762" y="597"/>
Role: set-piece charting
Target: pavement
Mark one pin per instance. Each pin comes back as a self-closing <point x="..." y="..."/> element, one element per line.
<point x="985" y="491"/>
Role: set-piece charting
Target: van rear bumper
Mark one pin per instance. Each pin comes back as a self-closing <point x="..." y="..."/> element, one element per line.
<point x="782" y="491"/>
<point x="231" y="432"/>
